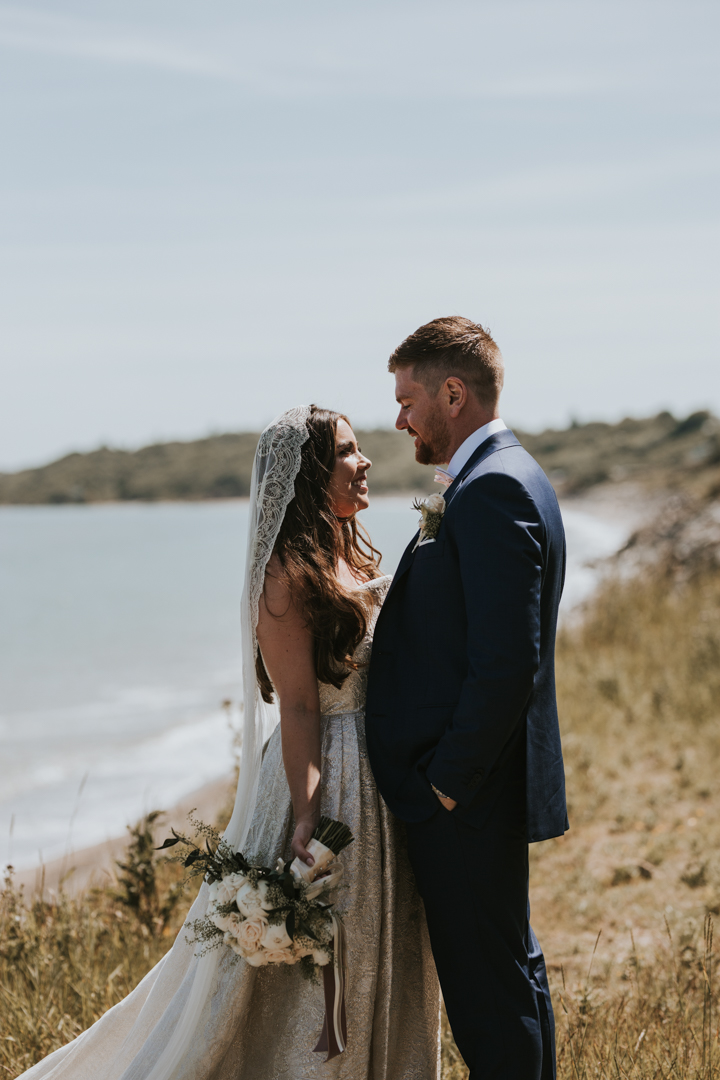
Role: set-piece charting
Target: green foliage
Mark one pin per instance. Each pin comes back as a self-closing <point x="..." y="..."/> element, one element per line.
<point x="138" y="879"/>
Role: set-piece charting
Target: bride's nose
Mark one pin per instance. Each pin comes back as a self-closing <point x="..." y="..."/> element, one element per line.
<point x="366" y="463"/>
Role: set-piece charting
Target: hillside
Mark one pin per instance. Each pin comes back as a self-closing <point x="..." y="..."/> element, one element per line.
<point x="660" y="450"/>
<point x="623" y="904"/>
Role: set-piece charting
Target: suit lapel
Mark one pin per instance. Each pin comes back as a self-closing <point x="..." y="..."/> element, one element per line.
<point x="499" y="441"/>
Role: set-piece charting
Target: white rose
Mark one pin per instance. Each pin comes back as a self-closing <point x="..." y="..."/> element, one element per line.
<point x="435" y="504"/>
<point x="276" y="937"/>
<point x="235" y="945"/>
<point x="229" y="924"/>
<point x="252" y="899"/>
<point x="250" y="932"/>
<point x="224" y="892"/>
<point x="320" y="957"/>
<point x="281" y="956"/>
<point x="257" y="959"/>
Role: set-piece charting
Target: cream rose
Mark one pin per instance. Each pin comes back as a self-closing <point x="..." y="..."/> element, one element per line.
<point x="252" y="899"/>
<point x="229" y="924"/>
<point x="257" y="959"/>
<point x="250" y="932"/>
<point x="225" y="891"/>
<point x="435" y="505"/>
<point x="235" y="945"/>
<point x="276" y="937"/>
<point x="320" y="957"/>
<point x="281" y="956"/>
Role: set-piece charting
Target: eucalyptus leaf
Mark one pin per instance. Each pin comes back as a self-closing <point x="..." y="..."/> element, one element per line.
<point x="168" y="843"/>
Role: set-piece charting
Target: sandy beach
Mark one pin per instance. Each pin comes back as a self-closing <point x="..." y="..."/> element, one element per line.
<point x="95" y="865"/>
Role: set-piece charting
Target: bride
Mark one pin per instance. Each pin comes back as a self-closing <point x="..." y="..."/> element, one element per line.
<point x="312" y="593"/>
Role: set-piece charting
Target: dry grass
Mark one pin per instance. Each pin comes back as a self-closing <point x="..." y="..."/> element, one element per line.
<point x="639" y="688"/>
<point x="639" y="693"/>
<point x="65" y="960"/>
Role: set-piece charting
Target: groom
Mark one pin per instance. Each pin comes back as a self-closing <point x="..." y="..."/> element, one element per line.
<point x="462" y="721"/>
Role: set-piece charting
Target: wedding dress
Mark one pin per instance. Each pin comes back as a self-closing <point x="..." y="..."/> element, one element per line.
<point x="214" y="1017"/>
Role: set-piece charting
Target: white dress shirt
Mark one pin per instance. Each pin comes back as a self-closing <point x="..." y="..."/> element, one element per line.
<point x="465" y="451"/>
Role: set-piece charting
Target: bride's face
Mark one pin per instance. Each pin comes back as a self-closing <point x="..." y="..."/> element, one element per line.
<point x="348" y="488"/>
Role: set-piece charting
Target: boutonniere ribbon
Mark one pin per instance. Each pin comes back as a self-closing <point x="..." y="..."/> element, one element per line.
<point x="431" y="515"/>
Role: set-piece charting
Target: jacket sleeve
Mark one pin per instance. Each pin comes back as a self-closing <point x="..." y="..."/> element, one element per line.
<point x="498" y="533"/>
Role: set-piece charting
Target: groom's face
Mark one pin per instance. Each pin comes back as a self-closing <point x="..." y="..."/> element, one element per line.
<point x="423" y="416"/>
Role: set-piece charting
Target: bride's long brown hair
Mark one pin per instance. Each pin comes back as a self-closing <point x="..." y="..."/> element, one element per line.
<point x="309" y="546"/>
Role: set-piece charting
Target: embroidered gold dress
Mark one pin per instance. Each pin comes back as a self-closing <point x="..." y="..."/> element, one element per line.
<point x="392" y="990"/>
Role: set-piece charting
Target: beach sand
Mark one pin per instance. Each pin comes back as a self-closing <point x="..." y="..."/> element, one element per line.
<point x="96" y="865"/>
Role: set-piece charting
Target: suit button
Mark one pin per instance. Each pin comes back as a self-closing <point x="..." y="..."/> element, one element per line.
<point x="477" y="777"/>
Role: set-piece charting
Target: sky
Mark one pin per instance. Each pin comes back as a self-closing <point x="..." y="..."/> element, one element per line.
<point x="211" y="212"/>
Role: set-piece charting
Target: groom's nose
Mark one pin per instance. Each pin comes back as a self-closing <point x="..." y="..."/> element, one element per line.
<point x="401" y="423"/>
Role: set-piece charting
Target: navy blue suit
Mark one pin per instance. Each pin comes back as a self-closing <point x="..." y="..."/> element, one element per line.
<point x="461" y="694"/>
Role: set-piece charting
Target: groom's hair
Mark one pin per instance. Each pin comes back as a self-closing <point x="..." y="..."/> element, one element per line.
<point x="453" y="346"/>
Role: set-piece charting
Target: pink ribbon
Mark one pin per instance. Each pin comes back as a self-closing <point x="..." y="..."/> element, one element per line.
<point x="333" y="1036"/>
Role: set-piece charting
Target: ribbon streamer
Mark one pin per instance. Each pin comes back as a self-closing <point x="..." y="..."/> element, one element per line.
<point x="333" y="1037"/>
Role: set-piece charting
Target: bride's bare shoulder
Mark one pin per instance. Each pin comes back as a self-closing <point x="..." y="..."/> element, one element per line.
<point x="276" y="597"/>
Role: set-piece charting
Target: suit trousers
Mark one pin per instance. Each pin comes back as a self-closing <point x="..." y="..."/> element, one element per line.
<point x="474" y="883"/>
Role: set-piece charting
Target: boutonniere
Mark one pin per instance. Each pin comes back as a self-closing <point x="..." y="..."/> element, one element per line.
<point x="431" y="515"/>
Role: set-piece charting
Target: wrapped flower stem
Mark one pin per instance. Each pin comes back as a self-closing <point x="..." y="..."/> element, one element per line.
<point x="328" y="840"/>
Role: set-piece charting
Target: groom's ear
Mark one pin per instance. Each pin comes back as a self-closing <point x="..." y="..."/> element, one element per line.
<point x="455" y="395"/>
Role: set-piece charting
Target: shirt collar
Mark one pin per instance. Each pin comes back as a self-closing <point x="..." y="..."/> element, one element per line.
<point x="464" y="452"/>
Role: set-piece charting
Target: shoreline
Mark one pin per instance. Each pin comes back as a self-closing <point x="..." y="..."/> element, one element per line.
<point x="94" y="865"/>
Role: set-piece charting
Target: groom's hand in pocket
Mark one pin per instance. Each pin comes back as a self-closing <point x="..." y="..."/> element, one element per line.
<point x="449" y="804"/>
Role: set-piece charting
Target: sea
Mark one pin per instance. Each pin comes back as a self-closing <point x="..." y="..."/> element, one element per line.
<point x="120" y="683"/>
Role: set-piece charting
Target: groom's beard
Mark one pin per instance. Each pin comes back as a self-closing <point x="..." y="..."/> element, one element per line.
<point x="435" y="444"/>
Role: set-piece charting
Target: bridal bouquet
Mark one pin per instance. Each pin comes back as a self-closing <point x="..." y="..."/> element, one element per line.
<point x="279" y="916"/>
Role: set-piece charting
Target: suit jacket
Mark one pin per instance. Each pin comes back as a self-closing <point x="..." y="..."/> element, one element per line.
<point x="461" y="689"/>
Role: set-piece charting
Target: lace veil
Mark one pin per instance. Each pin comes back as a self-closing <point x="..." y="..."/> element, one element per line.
<point x="277" y="463"/>
<point x="163" y="1029"/>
